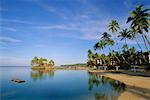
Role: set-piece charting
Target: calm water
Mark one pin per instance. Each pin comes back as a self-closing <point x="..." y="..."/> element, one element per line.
<point x="54" y="85"/>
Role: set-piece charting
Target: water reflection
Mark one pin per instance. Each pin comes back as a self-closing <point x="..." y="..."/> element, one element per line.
<point x="97" y="80"/>
<point x="41" y="74"/>
<point x="99" y="96"/>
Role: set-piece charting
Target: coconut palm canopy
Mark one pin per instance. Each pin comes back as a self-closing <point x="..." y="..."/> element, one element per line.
<point x="139" y="26"/>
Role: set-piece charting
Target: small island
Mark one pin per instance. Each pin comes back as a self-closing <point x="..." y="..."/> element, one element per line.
<point x="42" y="64"/>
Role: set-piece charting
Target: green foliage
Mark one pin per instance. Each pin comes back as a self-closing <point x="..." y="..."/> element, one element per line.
<point x="140" y="22"/>
<point x="139" y="25"/>
<point x="41" y="61"/>
<point x="79" y="64"/>
<point x="113" y="26"/>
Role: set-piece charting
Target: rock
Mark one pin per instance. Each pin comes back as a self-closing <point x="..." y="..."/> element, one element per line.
<point x="18" y="80"/>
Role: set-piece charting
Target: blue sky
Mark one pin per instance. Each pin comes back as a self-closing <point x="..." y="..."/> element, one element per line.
<point x="62" y="30"/>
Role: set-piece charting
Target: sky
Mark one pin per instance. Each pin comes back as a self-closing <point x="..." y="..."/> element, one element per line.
<point x="62" y="30"/>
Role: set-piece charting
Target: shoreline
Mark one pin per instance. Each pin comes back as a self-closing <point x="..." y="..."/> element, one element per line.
<point x="137" y="87"/>
<point x="135" y="81"/>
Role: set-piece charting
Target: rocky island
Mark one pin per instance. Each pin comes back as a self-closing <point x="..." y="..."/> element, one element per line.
<point x="42" y="64"/>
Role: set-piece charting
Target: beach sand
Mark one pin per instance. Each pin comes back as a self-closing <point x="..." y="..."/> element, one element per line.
<point x="135" y="81"/>
<point x="142" y="83"/>
<point x="130" y="96"/>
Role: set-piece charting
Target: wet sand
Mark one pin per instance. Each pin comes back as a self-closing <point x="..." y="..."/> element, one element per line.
<point x="135" y="81"/>
<point x="139" y="83"/>
<point x="130" y="96"/>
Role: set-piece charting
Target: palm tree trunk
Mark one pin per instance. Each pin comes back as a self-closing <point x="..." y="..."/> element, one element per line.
<point x="138" y="44"/>
<point x="104" y="59"/>
<point x="114" y="55"/>
<point x="145" y="42"/>
<point x="117" y="45"/>
<point x="145" y="35"/>
<point x="119" y="51"/>
<point x="147" y="39"/>
<point x="125" y="41"/>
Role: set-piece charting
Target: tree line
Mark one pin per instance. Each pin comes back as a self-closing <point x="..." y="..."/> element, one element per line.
<point x="139" y="22"/>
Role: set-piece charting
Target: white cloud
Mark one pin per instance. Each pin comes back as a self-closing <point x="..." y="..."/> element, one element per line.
<point x="8" y="40"/>
<point x="47" y="27"/>
<point x="89" y="30"/>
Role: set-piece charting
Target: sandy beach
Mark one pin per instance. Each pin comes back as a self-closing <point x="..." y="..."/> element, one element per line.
<point x="135" y="81"/>
<point x="130" y="96"/>
<point x="141" y="83"/>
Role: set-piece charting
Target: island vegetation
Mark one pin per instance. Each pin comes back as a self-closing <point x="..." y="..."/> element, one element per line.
<point x="42" y="63"/>
<point x="78" y="64"/>
<point x="125" y="56"/>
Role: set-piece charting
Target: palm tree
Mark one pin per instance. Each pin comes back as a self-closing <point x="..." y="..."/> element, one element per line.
<point x="109" y="42"/>
<point x="34" y="61"/>
<point x="100" y="45"/>
<point x="90" y="61"/>
<point x="105" y="36"/>
<point x="113" y="27"/>
<point x="133" y="36"/>
<point x="125" y="34"/>
<point x="125" y="47"/>
<point x="106" y="39"/>
<point x="51" y="62"/>
<point x="139" y="19"/>
<point x="96" y="55"/>
<point x="90" y="54"/>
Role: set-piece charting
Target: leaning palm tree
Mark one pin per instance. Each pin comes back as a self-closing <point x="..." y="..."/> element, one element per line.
<point x="108" y="41"/>
<point x="100" y="45"/>
<point x="125" y="34"/>
<point x="90" y="54"/>
<point x="113" y="27"/>
<point x="133" y="36"/>
<point x="139" y="19"/>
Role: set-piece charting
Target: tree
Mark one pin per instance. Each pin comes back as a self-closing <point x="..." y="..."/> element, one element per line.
<point x="133" y="36"/>
<point x="113" y="26"/>
<point x="109" y="42"/>
<point x="139" y="19"/>
<point x="100" y="45"/>
<point x="34" y="61"/>
<point x="90" y="54"/>
<point x="125" y="47"/>
<point x="125" y="34"/>
<point x="51" y="62"/>
<point x="41" y="61"/>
